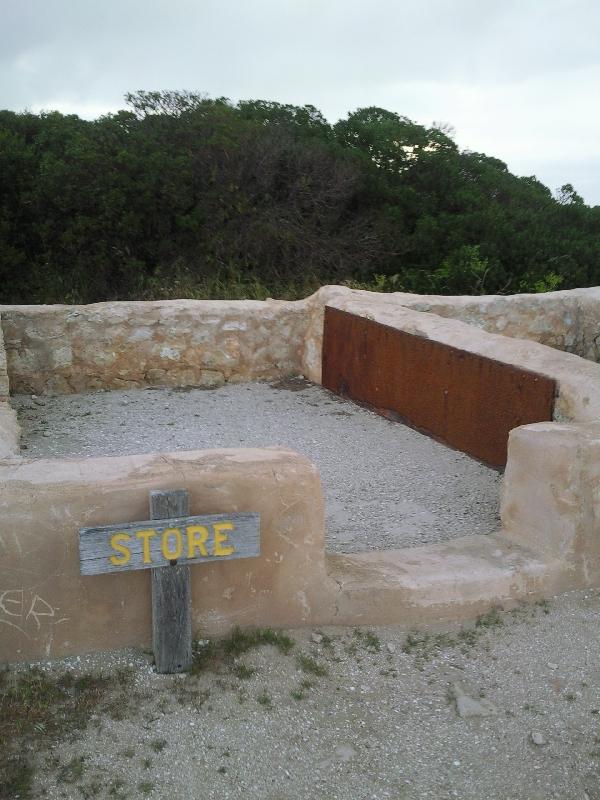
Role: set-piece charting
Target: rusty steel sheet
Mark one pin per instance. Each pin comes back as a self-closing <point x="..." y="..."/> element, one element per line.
<point x="468" y="401"/>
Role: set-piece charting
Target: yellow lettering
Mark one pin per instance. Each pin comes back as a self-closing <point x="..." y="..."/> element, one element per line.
<point x="117" y="543"/>
<point x="145" y="536"/>
<point x="221" y="537"/>
<point x="172" y="555"/>
<point x="196" y="537"/>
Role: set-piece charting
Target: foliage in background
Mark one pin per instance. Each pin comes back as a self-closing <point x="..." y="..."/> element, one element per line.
<point x="185" y="196"/>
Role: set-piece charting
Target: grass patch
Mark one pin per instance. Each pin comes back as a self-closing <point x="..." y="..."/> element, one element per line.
<point x="425" y="646"/>
<point x="491" y="619"/>
<point x="35" y="707"/>
<point x="243" y="671"/>
<point x="72" y="772"/>
<point x="158" y="745"/>
<point x="264" y="698"/>
<point x="117" y="789"/>
<point x="146" y="787"/>
<point x="214" y="655"/>
<point x="16" y="776"/>
<point x="311" y="666"/>
<point x="369" y="640"/>
<point x="240" y="642"/>
<point x="300" y="692"/>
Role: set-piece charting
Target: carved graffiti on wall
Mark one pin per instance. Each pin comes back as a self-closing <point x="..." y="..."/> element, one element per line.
<point x="27" y="611"/>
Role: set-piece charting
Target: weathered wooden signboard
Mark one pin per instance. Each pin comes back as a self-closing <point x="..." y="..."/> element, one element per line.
<point x="157" y="543"/>
<point x="167" y="544"/>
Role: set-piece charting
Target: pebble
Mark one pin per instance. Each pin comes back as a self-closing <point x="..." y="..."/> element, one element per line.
<point x="551" y="665"/>
<point x="317" y="638"/>
<point x="538" y="739"/>
<point x="391" y="647"/>
<point x="468" y="707"/>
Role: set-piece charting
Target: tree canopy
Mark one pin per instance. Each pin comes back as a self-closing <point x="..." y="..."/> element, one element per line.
<point x="180" y="194"/>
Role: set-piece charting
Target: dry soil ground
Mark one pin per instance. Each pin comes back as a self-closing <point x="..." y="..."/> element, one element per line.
<point x="508" y="709"/>
<point x="403" y="487"/>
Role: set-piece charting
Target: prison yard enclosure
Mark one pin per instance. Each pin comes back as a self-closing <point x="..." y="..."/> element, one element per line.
<point x="245" y="406"/>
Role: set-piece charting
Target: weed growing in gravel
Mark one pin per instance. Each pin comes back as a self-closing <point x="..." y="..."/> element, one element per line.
<point x="90" y="790"/>
<point x="368" y="639"/>
<point x="425" y="646"/>
<point x="240" y="642"/>
<point x="146" y="787"/>
<point x="214" y="654"/>
<point x="264" y="698"/>
<point x="158" y="745"/>
<point x="490" y="619"/>
<point x="71" y="772"/>
<point x="146" y="763"/>
<point x="36" y="707"/>
<point x="129" y="752"/>
<point x="117" y="789"/>
<point x="310" y="665"/>
<point x="243" y="671"/>
<point x="300" y="692"/>
<point x="544" y="605"/>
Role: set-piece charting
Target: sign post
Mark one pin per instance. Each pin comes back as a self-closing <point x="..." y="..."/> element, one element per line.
<point x="171" y="595"/>
<point x="166" y="544"/>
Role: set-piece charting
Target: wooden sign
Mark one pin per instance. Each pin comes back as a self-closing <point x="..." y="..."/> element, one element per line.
<point x="158" y="543"/>
<point x="167" y="544"/>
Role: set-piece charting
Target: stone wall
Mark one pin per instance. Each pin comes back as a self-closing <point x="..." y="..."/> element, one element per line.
<point x="9" y="430"/>
<point x="567" y="320"/>
<point x="64" y="349"/>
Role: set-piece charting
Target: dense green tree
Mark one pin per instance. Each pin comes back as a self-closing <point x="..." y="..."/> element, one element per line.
<point x="184" y="194"/>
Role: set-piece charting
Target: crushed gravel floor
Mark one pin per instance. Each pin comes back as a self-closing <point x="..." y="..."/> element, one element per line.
<point x="403" y="487"/>
<point x="505" y="710"/>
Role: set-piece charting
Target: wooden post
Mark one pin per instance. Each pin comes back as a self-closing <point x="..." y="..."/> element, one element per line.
<point x="171" y="596"/>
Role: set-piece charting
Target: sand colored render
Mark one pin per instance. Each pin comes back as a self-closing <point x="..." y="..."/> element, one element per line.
<point x="549" y="538"/>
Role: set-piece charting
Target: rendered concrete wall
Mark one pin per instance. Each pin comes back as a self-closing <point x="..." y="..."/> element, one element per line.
<point x="64" y="349"/>
<point x="578" y="380"/>
<point x="550" y="499"/>
<point x="48" y="609"/>
<point x="550" y="508"/>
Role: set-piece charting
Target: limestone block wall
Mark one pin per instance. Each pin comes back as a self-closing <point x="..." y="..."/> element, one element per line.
<point x="66" y="349"/>
<point x="9" y="430"/>
<point x="4" y="386"/>
<point x="48" y="609"/>
<point x="567" y="320"/>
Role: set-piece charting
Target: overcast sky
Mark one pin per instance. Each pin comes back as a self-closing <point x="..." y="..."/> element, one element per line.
<point x="517" y="79"/>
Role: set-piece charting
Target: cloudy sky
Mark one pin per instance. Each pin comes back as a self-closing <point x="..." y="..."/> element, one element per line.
<point x="517" y="79"/>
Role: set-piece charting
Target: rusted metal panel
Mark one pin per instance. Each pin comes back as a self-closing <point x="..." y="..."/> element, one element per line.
<point x="467" y="401"/>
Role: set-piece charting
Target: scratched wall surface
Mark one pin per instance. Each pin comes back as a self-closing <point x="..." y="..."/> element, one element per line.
<point x="466" y="400"/>
<point x="48" y="609"/>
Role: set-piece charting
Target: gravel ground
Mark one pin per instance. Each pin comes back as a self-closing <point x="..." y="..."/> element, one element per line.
<point x="377" y="475"/>
<point x="383" y="722"/>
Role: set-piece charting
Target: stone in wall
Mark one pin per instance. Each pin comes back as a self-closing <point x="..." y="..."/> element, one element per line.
<point x="123" y="345"/>
<point x="4" y="387"/>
